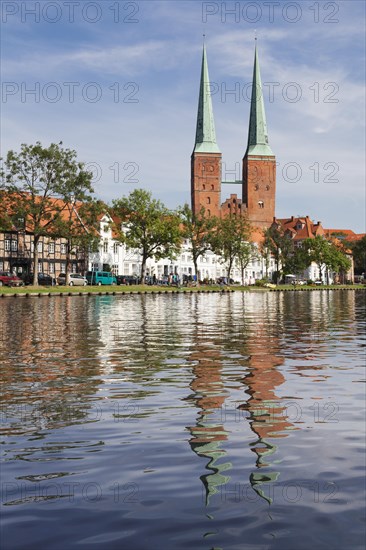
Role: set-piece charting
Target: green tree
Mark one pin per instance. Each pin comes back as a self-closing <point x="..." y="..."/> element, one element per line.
<point x="197" y="229"/>
<point x="359" y="254"/>
<point x="148" y="226"/>
<point x="326" y="255"/>
<point x="33" y="179"/>
<point x="79" y="225"/>
<point x="297" y="261"/>
<point x="229" y="238"/>
<point x="247" y="251"/>
<point x="280" y="246"/>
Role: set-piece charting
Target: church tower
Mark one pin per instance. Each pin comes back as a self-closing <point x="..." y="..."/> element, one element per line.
<point x="206" y="156"/>
<point x="259" y="162"/>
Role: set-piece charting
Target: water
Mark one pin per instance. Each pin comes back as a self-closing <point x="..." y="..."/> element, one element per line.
<point x="183" y="421"/>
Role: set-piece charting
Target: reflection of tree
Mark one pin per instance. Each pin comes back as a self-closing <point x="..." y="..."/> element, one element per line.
<point x="208" y="396"/>
<point x="48" y="364"/>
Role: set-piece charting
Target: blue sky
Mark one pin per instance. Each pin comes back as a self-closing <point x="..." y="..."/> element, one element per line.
<point x="118" y="82"/>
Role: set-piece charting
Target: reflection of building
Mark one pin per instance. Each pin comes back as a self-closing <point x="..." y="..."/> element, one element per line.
<point x="267" y="416"/>
<point x="209" y="433"/>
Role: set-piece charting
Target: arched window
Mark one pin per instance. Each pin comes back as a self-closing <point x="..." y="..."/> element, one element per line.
<point x="208" y="200"/>
<point x="261" y="204"/>
<point x="212" y="188"/>
<point x="203" y="186"/>
<point x="208" y="213"/>
<point x="229" y="205"/>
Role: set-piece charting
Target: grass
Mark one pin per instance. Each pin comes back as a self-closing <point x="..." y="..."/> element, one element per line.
<point x="163" y="289"/>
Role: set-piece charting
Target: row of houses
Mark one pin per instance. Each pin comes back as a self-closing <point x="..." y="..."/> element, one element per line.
<point x="16" y="253"/>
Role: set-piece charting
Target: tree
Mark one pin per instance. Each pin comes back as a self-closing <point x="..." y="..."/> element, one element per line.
<point x="147" y="225"/>
<point x="297" y="261"/>
<point x="228" y="241"/>
<point x="359" y="254"/>
<point x="79" y="225"/>
<point x="326" y="255"/>
<point x="197" y="228"/>
<point x="247" y="252"/>
<point x="281" y="247"/>
<point x="39" y="182"/>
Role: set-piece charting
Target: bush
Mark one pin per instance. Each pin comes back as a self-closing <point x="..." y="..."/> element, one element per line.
<point x="261" y="282"/>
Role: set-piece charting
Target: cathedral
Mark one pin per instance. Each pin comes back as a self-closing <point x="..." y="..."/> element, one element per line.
<point x="258" y="198"/>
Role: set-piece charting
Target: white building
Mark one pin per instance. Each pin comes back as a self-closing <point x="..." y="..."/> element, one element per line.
<point x="124" y="261"/>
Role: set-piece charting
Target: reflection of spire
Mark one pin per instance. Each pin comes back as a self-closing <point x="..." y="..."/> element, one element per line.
<point x="266" y="414"/>
<point x="208" y="435"/>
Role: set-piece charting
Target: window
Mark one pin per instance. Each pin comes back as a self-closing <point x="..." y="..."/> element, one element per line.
<point x="208" y="200"/>
<point x="203" y="186"/>
<point x="261" y="204"/>
<point x="63" y="248"/>
<point x="115" y="248"/>
<point x="208" y="213"/>
<point x="52" y="268"/>
<point x="14" y="245"/>
<point x="7" y="245"/>
<point x="229" y="205"/>
<point x="105" y="246"/>
<point x="212" y="188"/>
<point x="39" y="267"/>
<point x="73" y="268"/>
<point x="63" y="267"/>
<point x="40" y="246"/>
<point x="51" y="248"/>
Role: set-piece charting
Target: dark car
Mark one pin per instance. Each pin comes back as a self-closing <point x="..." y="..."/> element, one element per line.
<point x="127" y="280"/>
<point x="9" y="279"/>
<point x="43" y="279"/>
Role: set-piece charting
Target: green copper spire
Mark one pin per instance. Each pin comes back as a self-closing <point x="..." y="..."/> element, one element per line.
<point x="205" y="132"/>
<point x="258" y="135"/>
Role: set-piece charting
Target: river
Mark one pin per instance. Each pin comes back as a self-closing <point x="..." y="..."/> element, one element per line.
<point x="198" y="421"/>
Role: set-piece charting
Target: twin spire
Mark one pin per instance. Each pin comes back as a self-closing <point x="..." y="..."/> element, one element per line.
<point x="205" y="132"/>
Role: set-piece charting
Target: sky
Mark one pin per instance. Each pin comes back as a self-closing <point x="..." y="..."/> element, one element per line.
<point x="118" y="82"/>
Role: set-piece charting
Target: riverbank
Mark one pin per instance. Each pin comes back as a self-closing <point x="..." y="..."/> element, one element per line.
<point x="145" y="289"/>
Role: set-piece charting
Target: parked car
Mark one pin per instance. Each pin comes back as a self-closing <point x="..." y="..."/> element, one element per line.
<point x="100" y="278"/>
<point x="75" y="279"/>
<point x="43" y="279"/>
<point x="9" y="279"/>
<point x="127" y="280"/>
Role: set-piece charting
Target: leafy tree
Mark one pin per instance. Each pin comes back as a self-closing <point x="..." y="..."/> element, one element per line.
<point x="247" y="252"/>
<point x="359" y="254"/>
<point x="79" y="225"/>
<point x="280" y="246"/>
<point x="326" y="255"/>
<point x="197" y="228"/>
<point x="33" y="179"/>
<point x="229" y="238"/>
<point x="148" y="226"/>
<point x="297" y="261"/>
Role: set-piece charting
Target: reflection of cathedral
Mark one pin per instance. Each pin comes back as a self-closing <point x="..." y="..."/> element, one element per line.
<point x="267" y="416"/>
<point x="209" y="434"/>
<point x="263" y="410"/>
<point x="259" y="164"/>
